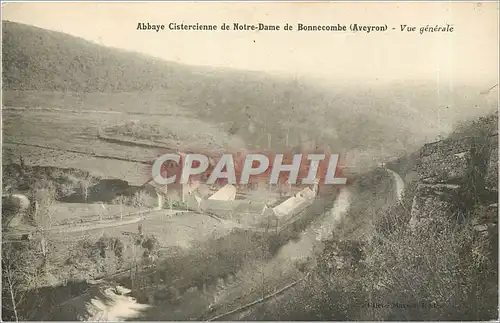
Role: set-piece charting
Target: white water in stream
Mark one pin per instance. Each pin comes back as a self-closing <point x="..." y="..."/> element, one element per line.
<point x="119" y="308"/>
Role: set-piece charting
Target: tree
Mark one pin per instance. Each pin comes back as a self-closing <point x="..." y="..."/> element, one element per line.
<point x="43" y="196"/>
<point x="20" y="276"/>
<point x="84" y="187"/>
<point x="110" y="254"/>
<point x="151" y="246"/>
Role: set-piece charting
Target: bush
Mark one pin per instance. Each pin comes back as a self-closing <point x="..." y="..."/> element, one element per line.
<point x="143" y="131"/>
<point x="65" y="190"/>
<point x="394" y="217"/>
<point x="176" y="204"/>
<point x="138" y="199"/>
<point x="151" y="243"/>
<point x="452" y="269"/>
<point x="92" y="258"/>
<point x="109" y="245"/>
<point x="207" y="261"/>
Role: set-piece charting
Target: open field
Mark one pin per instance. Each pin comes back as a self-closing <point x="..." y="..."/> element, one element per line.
<point x="68" y="132"/>
<point x="172" y="230"/>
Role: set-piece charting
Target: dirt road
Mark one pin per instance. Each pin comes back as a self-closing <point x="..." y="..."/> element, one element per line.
<point x="400" y="184"/>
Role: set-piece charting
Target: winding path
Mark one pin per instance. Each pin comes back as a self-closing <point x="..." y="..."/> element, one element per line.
<point x="400" y="184"/>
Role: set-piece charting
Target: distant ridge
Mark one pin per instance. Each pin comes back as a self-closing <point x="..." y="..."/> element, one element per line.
<point x="68" y="63"/>
<point x="255" y="106"/>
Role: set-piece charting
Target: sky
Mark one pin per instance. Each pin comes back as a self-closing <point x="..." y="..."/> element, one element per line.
<point x="468" y="54"/>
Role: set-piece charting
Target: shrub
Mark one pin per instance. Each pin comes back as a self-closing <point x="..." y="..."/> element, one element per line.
<point x="389" y="219"/>
<point x="138" y="199"/>
<point x="96" y="258"/>
<point x="65" y="190"/>
<point x="107" y="245"/>
<point x="450" y="269"/>
<point x="143" y="131"/>
<point x="151" y="246"/>
<point x="178" y="204"/>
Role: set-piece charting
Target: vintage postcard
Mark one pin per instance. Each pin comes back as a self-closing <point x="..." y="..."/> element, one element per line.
<point x="270" y="161"/>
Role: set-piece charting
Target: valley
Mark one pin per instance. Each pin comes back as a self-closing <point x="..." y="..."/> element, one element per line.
<point x="88" y="236"/>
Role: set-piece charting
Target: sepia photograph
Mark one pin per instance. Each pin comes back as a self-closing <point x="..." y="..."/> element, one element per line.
<point x="250" y="161"/>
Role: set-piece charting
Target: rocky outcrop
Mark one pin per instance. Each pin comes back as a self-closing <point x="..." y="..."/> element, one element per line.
<point x="445" y="161"/>
<point x="456" y="175"/>
<point x="486" y="223"/>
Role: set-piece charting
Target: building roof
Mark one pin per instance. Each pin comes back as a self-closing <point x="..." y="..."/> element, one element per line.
<point x="226" y="193"/>
<point x="294" y="203"/>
